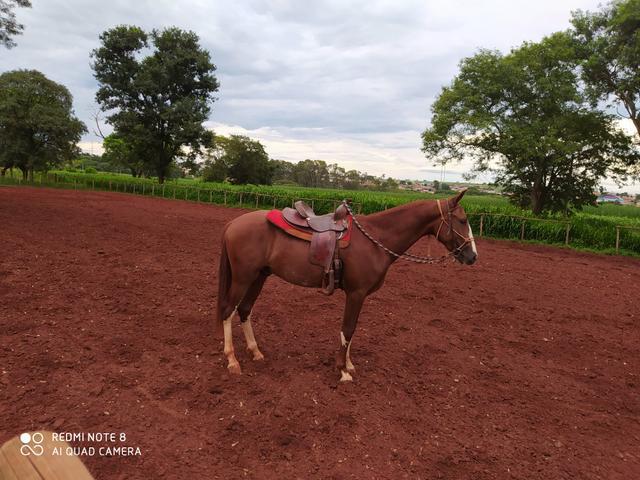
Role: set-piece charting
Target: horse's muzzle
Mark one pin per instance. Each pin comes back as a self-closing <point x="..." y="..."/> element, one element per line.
<point x="467" y="257"/>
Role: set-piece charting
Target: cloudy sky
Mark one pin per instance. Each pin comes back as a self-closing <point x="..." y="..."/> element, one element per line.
<point x="344" y="81"/>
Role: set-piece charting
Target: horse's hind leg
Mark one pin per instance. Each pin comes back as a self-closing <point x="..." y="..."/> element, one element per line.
<point x="244" y="310"/>
<point x="236" y="293"/>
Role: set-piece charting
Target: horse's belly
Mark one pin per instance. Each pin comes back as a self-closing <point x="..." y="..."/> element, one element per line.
<point x="289" y="260"/>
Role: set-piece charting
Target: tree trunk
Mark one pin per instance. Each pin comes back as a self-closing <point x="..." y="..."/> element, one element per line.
<point x="636" y="123"/>
<point x="537" y="197"/>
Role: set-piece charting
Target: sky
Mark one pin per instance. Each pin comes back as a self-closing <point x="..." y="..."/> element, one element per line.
<point x="348" y="82"/>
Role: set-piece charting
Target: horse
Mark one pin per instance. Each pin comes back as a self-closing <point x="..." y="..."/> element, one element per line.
<point x="253" y="248"/>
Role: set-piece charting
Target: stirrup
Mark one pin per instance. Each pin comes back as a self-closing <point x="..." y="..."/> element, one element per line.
<point x="328" y="283"/>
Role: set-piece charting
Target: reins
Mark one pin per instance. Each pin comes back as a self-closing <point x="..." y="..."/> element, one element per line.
<point x="416" y="258"/>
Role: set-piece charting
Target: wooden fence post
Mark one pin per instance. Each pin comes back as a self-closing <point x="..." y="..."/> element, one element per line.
<point x="274" y="201"/>
<point x="481" y="224"/>
<point x="257" y="196"/>
<point x="566" y="237"/>
<point x="617" y="239"/>
<point x="153" y="189"/>
<point x="225" y="197"/>
<point x="174" y="192"/>
<point x="241" y="193"/>
<point x="522" y="230"/>
<point x="143" y="188"/>
<point x="210" y="196"/>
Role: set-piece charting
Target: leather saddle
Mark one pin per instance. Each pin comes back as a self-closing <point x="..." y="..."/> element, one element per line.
<point x="326" y="232"/>
<point x="303" y="216"/>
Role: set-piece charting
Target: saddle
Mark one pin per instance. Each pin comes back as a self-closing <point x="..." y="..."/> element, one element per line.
<point x="326" y="233"/>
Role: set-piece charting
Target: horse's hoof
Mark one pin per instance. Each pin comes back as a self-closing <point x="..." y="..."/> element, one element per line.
<point x="234" y="369"/>
<point x="345" y="376"/>
<point x="258" y="356"/>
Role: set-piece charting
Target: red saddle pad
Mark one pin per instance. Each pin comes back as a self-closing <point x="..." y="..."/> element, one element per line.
<point x="275" y="218"/>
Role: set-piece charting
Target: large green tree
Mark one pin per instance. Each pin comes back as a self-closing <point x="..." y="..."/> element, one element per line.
<point x="9" y="26"/>
<point x="38" y="128"/>
<point x="158" y="89"/>
<point x="609" y="46"/>
<point x="525" y="116"/>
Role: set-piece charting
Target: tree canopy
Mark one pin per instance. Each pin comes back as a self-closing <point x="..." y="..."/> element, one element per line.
<point x="120" y="153"/>
<point x="38" y="128"/>
<point x="609" y="47"/>
<point x="9" y="26"/>
<point x="238" y="159"/>
<point x="158" y="101"/>
<point x="525" y="116"/>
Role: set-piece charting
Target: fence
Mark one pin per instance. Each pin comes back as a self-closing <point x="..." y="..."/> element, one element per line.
<point x="236" y="198"/>
<point x="620" y="228"/>
<point x="599" y="236"/>
<point x="521" y="223"/>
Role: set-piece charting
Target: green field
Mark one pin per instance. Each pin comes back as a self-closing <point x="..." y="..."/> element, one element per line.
<point x="593" y="229"/>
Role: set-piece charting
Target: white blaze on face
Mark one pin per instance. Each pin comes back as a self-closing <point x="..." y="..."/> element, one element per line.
<point x="473" y="242"/>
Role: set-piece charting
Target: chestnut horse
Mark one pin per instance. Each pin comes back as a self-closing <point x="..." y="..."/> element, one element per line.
<point x="253" y="248"/>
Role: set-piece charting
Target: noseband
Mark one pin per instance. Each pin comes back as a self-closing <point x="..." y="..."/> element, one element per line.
<point x="449" y="224"/>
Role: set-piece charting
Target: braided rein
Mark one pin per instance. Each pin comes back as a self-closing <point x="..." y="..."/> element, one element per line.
<point x="401" y="256"/>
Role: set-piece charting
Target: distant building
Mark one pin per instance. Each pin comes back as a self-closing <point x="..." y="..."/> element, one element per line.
<point x="608" y="198"/>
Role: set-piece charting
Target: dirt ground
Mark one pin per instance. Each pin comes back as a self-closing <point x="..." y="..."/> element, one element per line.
<point x="523" y="366"/>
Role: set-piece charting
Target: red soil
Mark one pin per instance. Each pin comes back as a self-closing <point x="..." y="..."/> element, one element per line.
<point x="524" y="365"/>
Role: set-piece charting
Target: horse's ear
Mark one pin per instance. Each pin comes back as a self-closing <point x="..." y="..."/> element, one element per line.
<point x="455" y="200"/>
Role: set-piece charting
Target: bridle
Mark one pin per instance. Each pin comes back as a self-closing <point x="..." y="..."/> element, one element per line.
<point x="465" y="240"/>
<point x="417" y="258"/>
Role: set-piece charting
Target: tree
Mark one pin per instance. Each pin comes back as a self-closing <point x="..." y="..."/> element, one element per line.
<point x="311" y="173"/>
<point x="238" y="159"/>
<point x="122" y="154"/>
<point x="159" y="101"/>
<point x="247" y="160"/>
<point x="337" y="175"/>
<point x="282" y="171"/>
<point x="38" y="128"/>
<point x="525" y="116"/>
<point x="9" y="26"/>
<point x="609" y="47"/>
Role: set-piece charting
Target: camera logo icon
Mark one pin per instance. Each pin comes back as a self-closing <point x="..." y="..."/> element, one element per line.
<point x="31" y="444"/>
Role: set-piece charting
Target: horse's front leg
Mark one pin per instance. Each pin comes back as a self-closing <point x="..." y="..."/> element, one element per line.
<point x="349" y="322"/>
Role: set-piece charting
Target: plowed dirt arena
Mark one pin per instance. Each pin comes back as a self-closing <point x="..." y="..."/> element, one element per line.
<point x="524" y="365"/>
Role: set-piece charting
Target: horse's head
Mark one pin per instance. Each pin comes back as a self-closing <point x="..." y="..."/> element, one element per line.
<point x="454" y="231"/>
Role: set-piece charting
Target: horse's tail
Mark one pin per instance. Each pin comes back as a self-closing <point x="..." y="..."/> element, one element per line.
<point x="224" y="283"/>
